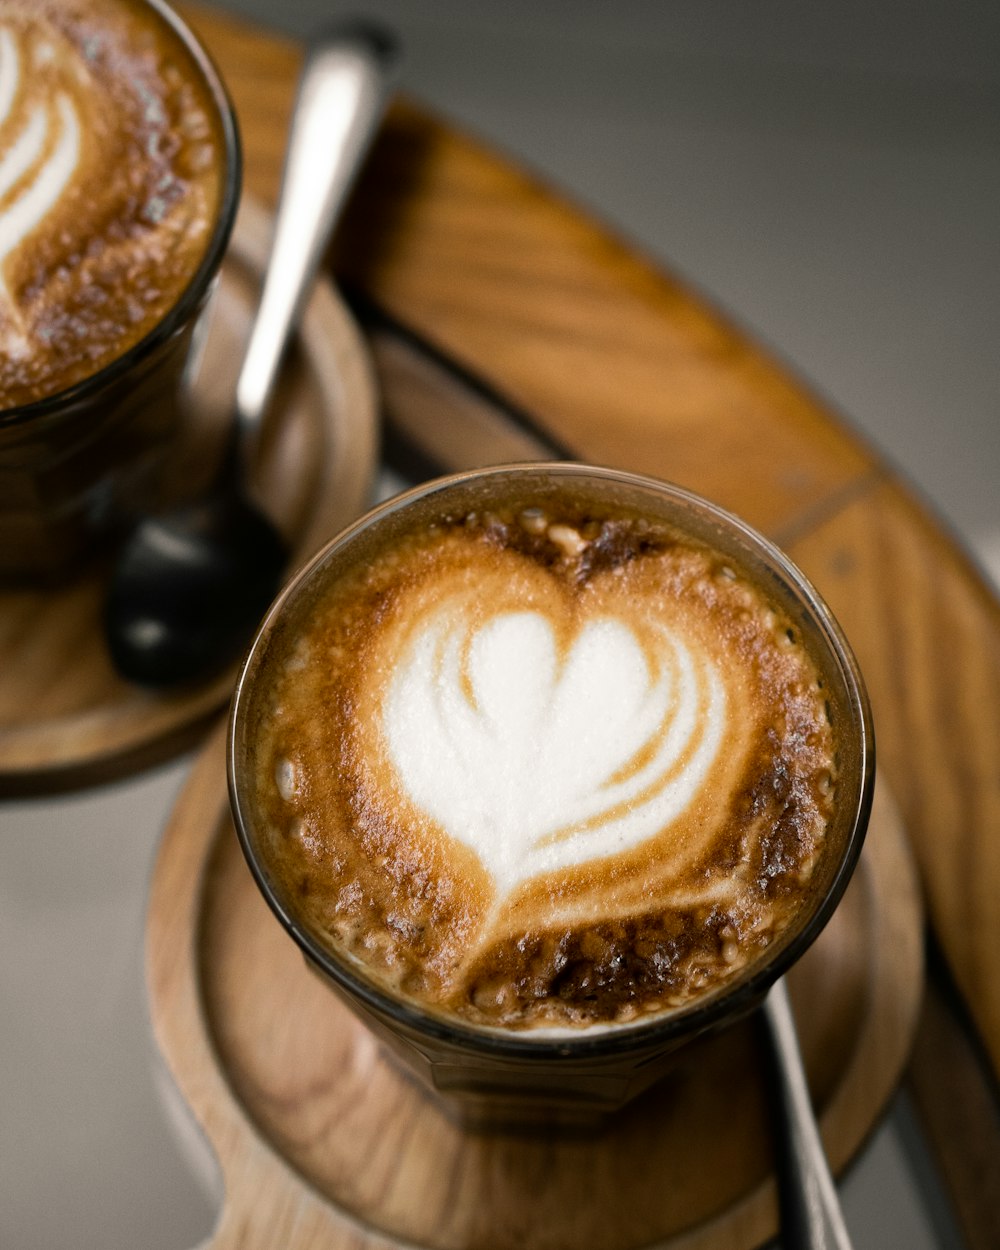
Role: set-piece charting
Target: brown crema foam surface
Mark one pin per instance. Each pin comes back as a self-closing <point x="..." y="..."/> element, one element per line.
<point x="112" y="161"/>
<point x="390" y="718"/>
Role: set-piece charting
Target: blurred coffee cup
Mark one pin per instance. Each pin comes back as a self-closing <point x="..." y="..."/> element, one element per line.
<point x="120" y="177"/>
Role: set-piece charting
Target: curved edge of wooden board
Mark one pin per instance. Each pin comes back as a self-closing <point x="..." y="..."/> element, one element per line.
<point x="267" y="1202"/>
<point x="424" y="190"/>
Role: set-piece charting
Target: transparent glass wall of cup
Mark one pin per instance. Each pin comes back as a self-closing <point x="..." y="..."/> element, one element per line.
<point x="510" y="1080"/>
<point x="77" y="464"/>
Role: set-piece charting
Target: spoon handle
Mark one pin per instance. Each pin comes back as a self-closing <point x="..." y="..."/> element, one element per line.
<point x="811" y="1218"/>
<point x="342" y="93"/>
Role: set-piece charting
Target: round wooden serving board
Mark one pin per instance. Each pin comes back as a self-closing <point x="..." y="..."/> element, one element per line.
<point x="65" y="716"/>
<point x="322" y="1142"/>
<point x="619" y="359"/>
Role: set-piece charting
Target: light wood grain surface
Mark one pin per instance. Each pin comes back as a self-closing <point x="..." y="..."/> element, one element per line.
<point x="622" y="364"/>
<point x="626" y="366"/>
<point x="323" y="1142"/>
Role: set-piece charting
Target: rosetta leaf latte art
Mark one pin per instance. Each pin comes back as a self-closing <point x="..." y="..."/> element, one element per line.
<point x="539" y="762"/>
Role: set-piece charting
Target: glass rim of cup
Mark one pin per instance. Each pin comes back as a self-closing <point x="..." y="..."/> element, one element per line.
<point x="56" y="403"/>
<point x="659" y="1028"/>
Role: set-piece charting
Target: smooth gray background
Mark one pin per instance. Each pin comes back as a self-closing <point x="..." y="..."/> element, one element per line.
<point x="830" y="175"/>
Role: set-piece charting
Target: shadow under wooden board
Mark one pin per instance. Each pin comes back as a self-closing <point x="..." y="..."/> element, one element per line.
<point x="321" y="1142"/>
<point x="66" y="718"/>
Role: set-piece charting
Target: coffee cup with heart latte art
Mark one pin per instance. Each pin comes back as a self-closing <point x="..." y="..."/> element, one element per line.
<point x="550" y="760"/>
<point x="119" y="178"/>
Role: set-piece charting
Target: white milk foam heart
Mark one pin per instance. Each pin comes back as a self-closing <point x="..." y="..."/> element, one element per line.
<point x="37" y="161"/>
<point x="540" y="763"/>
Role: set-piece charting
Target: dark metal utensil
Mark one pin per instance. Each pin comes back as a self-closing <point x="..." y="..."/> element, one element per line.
<point x="811" y="1218"/>
<point x="191" y="584"/>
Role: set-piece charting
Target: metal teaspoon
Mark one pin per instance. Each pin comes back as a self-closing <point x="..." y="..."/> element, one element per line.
<point x="811" y="1218"/>
<point x="191" y="584"/>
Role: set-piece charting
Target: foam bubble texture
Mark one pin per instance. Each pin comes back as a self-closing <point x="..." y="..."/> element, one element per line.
<point x="545" y="774"/>
<point x="107" y="185"/>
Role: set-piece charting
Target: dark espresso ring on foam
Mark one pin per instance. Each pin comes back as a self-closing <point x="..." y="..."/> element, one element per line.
<point x="113" y="162"/>
<point x="411" y="904"/>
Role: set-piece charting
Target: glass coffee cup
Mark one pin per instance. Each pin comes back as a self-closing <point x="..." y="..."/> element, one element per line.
<point x="692" y="867"/>
<point x="83" y="447"/>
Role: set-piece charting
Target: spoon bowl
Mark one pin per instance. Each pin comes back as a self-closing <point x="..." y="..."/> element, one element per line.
<point x="189" y="586"/>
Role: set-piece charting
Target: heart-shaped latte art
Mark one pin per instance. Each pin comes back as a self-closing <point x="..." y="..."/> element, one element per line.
<point x="540" y="761"/>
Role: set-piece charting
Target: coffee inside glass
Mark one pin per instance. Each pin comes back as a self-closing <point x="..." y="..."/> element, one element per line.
<point x="549" y="769"/>
<point x="119" y="183"/>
